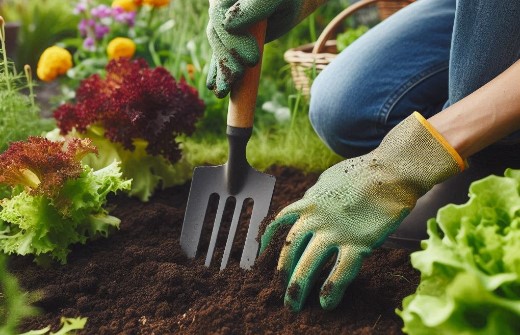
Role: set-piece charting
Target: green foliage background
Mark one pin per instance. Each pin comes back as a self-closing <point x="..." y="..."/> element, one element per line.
<point x="183" y="42"/>
<point x="290" y="143"/>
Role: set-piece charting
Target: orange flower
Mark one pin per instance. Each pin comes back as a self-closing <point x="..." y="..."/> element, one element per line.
<point x="156" y="3"/>
<point x="120" y="47"/>
<point x="190" y="68"/>
<point x="53" y="62"/>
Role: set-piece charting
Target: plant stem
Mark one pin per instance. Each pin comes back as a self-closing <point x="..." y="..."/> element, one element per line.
<point x="30" y="83"/>
<point x="312" y="27"/>
<point x="152" y="12"/>
<point x="4" y="53"/>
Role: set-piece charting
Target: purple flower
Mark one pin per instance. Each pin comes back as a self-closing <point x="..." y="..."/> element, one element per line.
<point x="117" y="10"/>
<point x="101" y="11"/>
<point x="101" y="30"/>
<point x="84" y="26"/>
<point x="89" y="44"/>
<point x="127" y="18"/>
<point x="80" y="8"/>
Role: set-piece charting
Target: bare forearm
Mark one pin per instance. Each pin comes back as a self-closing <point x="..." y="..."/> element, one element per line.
<point x="485" y="116"/>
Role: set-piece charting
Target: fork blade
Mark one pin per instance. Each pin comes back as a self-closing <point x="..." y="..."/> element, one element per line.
<point x="206" y="181"/>
<point x="232" y="232"/>
<point x="260" y="211"/>
<point x="198" y="201"/>
<point x="214" y="233"/>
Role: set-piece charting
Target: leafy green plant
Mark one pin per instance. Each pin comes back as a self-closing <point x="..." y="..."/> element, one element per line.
<point x="134" y="115"/>
<point x="346" y="38"/>
<point x="60" y="202"/>
<point x="470" y="265"/>
<point x="19" y="115"/>
<point x="15" y="306"/>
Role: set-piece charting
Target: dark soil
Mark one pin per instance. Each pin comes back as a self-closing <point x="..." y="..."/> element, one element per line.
<point x="138" y="281"/>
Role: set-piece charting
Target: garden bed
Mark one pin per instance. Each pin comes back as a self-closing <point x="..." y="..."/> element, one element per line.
<point x="138" y="281"/>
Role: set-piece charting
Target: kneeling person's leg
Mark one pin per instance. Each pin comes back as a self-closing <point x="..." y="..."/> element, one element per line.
<point x="397" y="67"/>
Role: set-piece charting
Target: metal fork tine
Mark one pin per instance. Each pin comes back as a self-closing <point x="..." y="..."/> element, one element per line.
<point x="232" y="231"/>
<point x="260" y="211"/>
<point x="216" y="228"/>
<point x="195" y="212"/>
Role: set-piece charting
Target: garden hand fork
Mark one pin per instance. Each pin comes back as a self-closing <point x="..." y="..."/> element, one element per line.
<point x="236" y="178"/>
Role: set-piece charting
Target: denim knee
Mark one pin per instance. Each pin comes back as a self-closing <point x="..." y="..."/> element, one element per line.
<point x="383" y="77"/>
<point x="342" y="127"/>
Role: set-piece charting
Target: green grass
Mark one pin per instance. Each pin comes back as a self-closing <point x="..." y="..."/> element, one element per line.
<point x="292" y="143"/>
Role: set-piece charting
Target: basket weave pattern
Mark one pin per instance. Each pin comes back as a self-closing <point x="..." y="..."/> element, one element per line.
<point x="309" y="59"/>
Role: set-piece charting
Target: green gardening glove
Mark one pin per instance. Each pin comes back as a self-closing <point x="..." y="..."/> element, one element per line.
<point x="355" y="205"/>
<point x="233" y="47"/>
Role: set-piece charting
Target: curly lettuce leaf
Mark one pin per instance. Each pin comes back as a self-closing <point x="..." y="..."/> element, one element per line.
<point x="68" y="325"/>
<point x="147" y="172"/>
<point x="42" y="226"/>
<point x="470" y="265"/>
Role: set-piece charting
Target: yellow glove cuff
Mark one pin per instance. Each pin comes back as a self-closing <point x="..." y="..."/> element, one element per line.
<point x="460" y="162"/>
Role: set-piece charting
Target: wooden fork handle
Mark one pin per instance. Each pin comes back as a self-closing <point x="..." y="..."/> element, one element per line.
<point x="242" y="100"/>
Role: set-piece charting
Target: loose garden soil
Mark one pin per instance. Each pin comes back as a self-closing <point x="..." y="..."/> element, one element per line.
<point x="138" y="280"/>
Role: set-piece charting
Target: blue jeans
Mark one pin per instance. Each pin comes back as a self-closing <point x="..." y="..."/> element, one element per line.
<point x="425" y="57"/>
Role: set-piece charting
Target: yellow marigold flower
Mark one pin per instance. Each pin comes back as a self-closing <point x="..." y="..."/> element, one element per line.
<point x="53" y="62"/>
<point x="127" y="5"/>
<point x="156" y="3"/>
<point x="191" y="70"/>
<point x="138" y="2"/>
<point x="121" y="47"/>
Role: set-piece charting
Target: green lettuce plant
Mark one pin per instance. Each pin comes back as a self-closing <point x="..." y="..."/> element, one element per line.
<point x="470" y="265"/>
<point x="56" y="200"/>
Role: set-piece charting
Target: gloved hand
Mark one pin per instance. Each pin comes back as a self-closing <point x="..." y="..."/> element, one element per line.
<point x="233" y="48"/>
<point x="355" y="205"/>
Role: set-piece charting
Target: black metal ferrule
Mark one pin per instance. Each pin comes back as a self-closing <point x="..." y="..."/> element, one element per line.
<point x="237" y="165"/>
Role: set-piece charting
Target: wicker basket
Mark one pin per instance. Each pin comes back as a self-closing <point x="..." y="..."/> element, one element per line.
<point x="309" y="59"/>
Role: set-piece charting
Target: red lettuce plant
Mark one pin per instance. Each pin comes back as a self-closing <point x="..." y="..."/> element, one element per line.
<point x="140" y="111"/>
<point x="42" y="166"/>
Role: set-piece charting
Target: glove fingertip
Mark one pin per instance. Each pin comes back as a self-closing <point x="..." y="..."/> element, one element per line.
<point x="329" y="297"/>
<point x="219" y="89"/>
<point x="294" y="297"/>
<point x="222" y="85"/>
<point x="273" y="227"/>
<point x="251" y="59"/>
<point x="221" y="92"/>
<point x="210" y="83"/>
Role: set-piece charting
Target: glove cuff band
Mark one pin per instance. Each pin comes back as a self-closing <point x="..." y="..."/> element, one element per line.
<point x="460" y="162"/>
